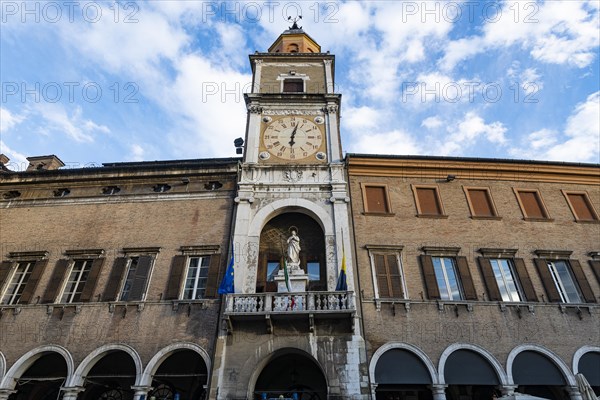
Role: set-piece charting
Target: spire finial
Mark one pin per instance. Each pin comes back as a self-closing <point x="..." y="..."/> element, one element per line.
<point x="295" y="22"/>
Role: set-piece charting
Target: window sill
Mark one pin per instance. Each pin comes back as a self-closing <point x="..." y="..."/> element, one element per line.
<point x="587" y="221"/>
<point x="493" y="218"/>
<point x="378" y="214"/>
<point x="538" y="219"/>
<point x="440" y="216"/>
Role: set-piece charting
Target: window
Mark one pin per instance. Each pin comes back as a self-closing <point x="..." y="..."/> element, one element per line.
<point x="133" y="263"/>
<point x="531" y="204"/>
<point x="15" y="288"/>
<point x="389" y="280"/>
<point x="480" y="202"/>
<point x="447" y="275"/>
<point x="580" y="206"/>
<point x="293" y="85"/>
<point x="428" y="201"/>
<point x="503" y="269"/>
<point x="563" y="278"/>
<point x="197" y="275"/>
<point x="561" y="275"/>
<point x="313" y="269"/>
<point x="76" y="281"/>
<point x="130" y="275"/>
<point x="505" y="276"/>
<point x="194" y="274"/>
<point x="20" y="275"/>
<point x="447" y="278"/>
<point x="375" y="198"/>
<point x="272" y="270"/>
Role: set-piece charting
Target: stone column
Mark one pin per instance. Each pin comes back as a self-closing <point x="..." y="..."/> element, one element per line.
<point x="574" y="393"/>
<point x="4" y="393"/>
<point x="373" y="389"/>
<point x="141" y="392"/>
<point x="508" y="390"/>
<point x="439" y="392"/>
<point x="71" y="393"/>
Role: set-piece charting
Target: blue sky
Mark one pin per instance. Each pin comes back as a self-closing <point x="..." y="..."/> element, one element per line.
<point x="96" y="82"/>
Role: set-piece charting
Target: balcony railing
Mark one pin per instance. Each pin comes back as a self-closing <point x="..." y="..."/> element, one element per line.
<point x="290" y="303"/>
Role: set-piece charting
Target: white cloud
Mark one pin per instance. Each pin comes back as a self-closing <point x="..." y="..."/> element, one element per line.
<point x="580" y="141"/>
<point x="358" y="118"/>
<point x="393" y="142"/>
<point x="556" y="32"/>
<point x="18" y="161"/>
<point x="57" y="118"/>
<point x="432" y="122"/>
<point x="137" y="152"/>
<point x="473" y="127"/>
<point x="8" y="120"/>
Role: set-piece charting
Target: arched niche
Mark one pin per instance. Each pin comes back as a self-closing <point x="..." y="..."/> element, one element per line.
<point x="43" y="379"/>
<point x="111" y="377"/>
<point x="273" y="250"/>
<point x="291" y="373"/>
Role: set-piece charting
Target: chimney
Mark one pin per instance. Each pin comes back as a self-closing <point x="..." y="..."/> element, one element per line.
<point x="44" y="163"/>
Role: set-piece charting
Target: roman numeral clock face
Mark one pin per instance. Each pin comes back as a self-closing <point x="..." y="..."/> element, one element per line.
<point x="293" y="138"/>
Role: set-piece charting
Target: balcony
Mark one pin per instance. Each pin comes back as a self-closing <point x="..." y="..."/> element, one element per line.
<point x="282" y="306"/>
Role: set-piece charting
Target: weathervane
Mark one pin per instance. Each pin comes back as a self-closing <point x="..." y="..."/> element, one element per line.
<point x="295" y="20"/>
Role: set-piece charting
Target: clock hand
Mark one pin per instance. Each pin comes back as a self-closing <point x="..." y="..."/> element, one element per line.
<point x="291" y="142"/>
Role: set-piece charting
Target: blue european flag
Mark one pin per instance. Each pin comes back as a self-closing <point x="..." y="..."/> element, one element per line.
<point x="227" y="285"/>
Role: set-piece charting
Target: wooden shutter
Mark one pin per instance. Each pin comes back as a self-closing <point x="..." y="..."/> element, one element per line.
<point x="92" y="279"/>
<point x="55" y="281"/>
<point x="376" y="199"/>
<point x="32" y="282"/>
<point x="532" y="205"/>
<point x="581" y="207"/>
<point x="428" y="201"/>
<point x="433" y="292"/>
<point x="382" y="276"/>
<point x="175" y="276"/>
<point x="212" y="280"/>
<point x="140" y="280"/>
<point x="584" y="286"/>
<point x="395" y="278"/>
<point x="5" y="268"/>
<point x="481" y="203"/>
<point x="525" y="280"/>
<point x="595" y="264"/>
<point x="551" y="290"/>
<point x="489" y="278"/>
<point x="111" y="291"/>
<point x="466" y="279"/>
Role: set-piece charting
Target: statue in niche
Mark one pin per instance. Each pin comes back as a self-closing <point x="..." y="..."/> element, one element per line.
<point x="293" y="249"/>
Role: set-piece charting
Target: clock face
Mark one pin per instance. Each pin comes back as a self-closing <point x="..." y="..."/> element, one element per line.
<point x="293" y="138"/>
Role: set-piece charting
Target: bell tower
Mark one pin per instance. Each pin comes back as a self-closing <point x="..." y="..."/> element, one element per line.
<point x="292" y="233"/>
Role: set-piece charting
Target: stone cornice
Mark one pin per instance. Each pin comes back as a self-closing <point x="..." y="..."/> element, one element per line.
<point x="483" y="169"/>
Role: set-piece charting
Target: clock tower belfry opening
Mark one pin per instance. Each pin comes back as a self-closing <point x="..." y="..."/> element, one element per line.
<point x="292" y="231"/>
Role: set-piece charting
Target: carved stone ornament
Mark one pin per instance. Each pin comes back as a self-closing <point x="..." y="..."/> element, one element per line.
<point x="258" y="62"/>
<point x="254" y="109"/>
<point x="331" y="109"/>
<point x="327" y="62"/>
<point x="292" y="175"/>
<point x="292" y="112"/>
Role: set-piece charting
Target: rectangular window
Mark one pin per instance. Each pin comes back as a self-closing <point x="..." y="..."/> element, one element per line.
<point x="428" y="201"/>
<point x="563" y="279"/>
<point x="504" y="273"/>
<point x="388" y="276"/>
<point x="480" y="203"/>
<point x="129" y="278"/>
<point x="272" y="270"/>
<point x="293" y="85"/>
<point x="580" y="205"/>
<point x="531" y="204"/>
<point x="376" y="199"/>
<point x="76" y="281"/>
<point x="313" y="268"/>
<point x="197" y="275"/>
<point x="17" y="284"/>
<point x="447" y="278"/>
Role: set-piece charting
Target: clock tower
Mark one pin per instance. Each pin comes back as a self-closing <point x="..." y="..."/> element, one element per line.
<point x="292" y="238"/>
